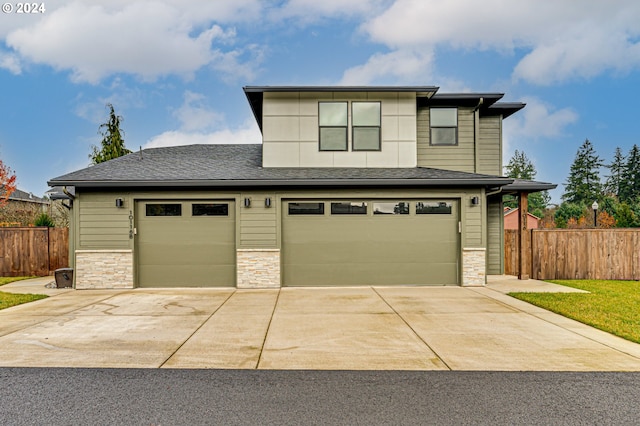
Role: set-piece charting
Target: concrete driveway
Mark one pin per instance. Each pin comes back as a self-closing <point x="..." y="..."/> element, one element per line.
<point x="364" y="328"/>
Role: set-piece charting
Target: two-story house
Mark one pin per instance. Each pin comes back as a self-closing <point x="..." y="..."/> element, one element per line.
<point x="350" y="186"/>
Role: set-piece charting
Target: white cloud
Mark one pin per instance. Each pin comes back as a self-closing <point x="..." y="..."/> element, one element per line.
<point x="305" y="11"/>
<point x="149" y="39"/>
<point x="408" y="66"/>
<point x="565" y="39"/>
<point x="194" y="115"/>
<point x="10" y="62"/>
<point x="536" y="120"/>
<point x="246" y="134"/>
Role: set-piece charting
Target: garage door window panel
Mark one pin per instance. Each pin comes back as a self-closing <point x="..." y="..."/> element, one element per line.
<point x="391" y="208"/>
<point x="210" y="209"/>
<point x="349" y="208"/>
<point x="433" y="207"/>
<point x="306" y="208"/>
<point x="163" y="209"/>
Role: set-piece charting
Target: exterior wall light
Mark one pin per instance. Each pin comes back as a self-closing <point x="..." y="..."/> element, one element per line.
<point x="475" y="201"/>
<point x="247" y="202"/>
<point x="119" y="203"/>
<point x="267" y="202"/>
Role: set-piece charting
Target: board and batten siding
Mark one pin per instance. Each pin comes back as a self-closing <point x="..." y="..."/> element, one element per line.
<point x="258" y="226"/>
<point x="490" y="145"/>
<point x="460" y="157"/>
<point x="495" y="236"/>
<point x="101" y="224"/>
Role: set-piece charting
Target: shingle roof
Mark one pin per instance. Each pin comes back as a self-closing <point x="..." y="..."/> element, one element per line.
<point x="28" y="197"/>
<point x="241" y="165"/>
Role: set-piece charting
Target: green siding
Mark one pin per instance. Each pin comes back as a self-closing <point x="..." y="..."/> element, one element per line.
<point x="473" y="232"/>
<point x="258" y="226"/>
<point x="490" y="145"/>
<point x="495" y="236"/>
<point x="101" y="224"/>
<point x="460" y="157"/>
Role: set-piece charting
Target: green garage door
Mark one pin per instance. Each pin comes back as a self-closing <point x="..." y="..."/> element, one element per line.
<point x="186" y="243"/>
<point x="370" y="242"/>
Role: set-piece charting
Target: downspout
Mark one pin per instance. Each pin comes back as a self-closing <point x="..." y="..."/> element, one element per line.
<point x="476" y="132"/>
<point x="68" y="194"/>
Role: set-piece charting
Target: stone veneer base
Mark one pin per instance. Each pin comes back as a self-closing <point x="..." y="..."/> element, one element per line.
<point x="102" y="269"/>
<point x="474" y="267"/>
<point x="258" y="268"/>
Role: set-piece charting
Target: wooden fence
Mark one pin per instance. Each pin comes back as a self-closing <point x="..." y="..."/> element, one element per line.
<point x="33" y="251"/>
<point x="607" y="254"/>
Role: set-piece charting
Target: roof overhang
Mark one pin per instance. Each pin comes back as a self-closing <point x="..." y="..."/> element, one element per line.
<point x="519" y="185"/>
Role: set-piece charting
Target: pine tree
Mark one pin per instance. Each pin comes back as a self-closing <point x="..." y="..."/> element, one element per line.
<point x="520" y="167"/>
<point x="112" y="145"/>
<point x="614" y="180"/>
<point x="583" y="185"/>
<point x="630" y="179"/>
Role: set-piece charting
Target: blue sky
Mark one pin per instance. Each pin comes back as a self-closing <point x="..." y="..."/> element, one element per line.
<point x="175" y="69"/>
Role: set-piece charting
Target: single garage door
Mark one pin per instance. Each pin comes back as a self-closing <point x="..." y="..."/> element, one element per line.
<point x="370" y="242"/>
<point x="186" y="243"/>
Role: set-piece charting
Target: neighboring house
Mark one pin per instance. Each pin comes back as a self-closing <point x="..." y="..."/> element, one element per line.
<point x="350" y="186"/>
<point x="22" y="208"/>
<point x="511" y="219"/>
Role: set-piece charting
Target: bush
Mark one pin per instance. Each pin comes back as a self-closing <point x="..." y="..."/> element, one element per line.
<point x="44" y="220"/>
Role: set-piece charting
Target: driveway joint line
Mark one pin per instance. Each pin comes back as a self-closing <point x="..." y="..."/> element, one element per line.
<point x="411" y="328"/>
<point x="196" y="330"/>
<point x="266" y="333"/>
<point x="559" y="326"/>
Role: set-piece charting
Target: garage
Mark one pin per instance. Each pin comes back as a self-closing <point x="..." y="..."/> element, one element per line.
<point x="370" y="242"/>
<point x="185" y="243"/>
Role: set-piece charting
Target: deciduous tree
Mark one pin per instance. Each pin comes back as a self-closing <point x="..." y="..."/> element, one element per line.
<point x="7" y="183"/>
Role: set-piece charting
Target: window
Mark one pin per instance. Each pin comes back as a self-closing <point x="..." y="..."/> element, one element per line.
<point x="332" y="117"/>
<point x="164" y="209"/>
<point x="391" y="208"/>
<point x="306" y="208"/>
<point x="444" y="126"/>
<point x="433" y="207"/>
<point x="349" y="208"/>
<point x="365" y="117"/>
<point x="210" y="209"/>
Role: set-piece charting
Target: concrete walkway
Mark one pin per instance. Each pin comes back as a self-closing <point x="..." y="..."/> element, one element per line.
<point x="364" y="328"/>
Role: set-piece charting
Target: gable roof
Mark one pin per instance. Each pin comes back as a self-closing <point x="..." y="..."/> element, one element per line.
<point x="27" y="197"/>
<point x="226" y="166"/>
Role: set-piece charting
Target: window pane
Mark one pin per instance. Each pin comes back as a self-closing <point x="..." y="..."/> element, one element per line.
<point x="333" y="113"/>
<point x="210" y="210"/>
<point x="306" y="208"/>
<point x="164" y="209"/>
<point x="444" y="117"/>
<point x="366" y="113"/>
<point x="391" y="208"/>
<point x="349" y="208"/>
<point x="366" y="138"/>
<point x="433" y="207"/>
<point x="443" y="136"/>
<point x="333" y="138"/>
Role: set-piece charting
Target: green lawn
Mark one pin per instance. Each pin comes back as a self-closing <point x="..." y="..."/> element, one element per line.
<point x="612" y="306"/>
<point x="8" y="300"/>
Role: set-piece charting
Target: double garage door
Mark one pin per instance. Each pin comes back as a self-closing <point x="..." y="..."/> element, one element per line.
<point x="186" y="243"/>
<point x="369" y="242"/>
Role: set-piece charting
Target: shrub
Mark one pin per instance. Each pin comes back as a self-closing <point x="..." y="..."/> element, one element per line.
<point x="44" y="220"/>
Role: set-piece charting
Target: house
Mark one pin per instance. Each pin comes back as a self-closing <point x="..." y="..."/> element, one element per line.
<point x="22" y="208"/>
<point x="511" y="219"/>
<point x="350" y="186"/>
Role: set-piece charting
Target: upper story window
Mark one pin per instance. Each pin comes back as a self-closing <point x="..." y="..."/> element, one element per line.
<point x="332" y="117"/>
<point x="365" y="119"/>
<point x="444" y="126"/>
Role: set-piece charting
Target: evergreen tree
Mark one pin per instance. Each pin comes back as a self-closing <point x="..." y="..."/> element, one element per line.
<point x="630" y="181"/>
<point x="614" y="180"/>
<point x="112" y="145"/>
<point x="583" y="185"/>
<point x="520" y="167"/>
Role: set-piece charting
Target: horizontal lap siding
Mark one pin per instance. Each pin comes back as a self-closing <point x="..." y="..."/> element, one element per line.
<point x="494" y="237"/>
<point x="460" y="157"/>
<point x="102" y="225"/>
<point x="258" y="223"/>
<point x="490" y="146"/>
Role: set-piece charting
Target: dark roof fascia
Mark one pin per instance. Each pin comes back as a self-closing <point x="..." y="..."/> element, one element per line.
<point x="519" y="185"/>
<point x="432" y="183"/>
<point x="502" y="108"/>
<point x="463" y="99"/>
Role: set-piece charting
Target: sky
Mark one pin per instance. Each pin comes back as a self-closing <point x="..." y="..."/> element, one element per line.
<point x="174" y="70"/>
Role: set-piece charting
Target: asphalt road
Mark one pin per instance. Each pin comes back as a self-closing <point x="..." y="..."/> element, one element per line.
<point x="38" y="396"/>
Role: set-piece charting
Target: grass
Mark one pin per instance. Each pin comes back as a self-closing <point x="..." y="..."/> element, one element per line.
<point x="8" y="300"/>
<point x="611" y="305"/>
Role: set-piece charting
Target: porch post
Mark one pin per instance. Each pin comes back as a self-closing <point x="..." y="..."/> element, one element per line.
<point x="523" y="237"/>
